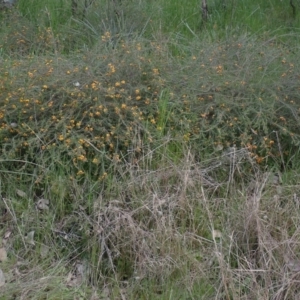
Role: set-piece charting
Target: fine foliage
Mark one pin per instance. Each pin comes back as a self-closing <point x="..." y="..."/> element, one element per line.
<point x="146" y="153"/>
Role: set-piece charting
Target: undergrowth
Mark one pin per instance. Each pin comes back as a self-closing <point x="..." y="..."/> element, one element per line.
<point x="137" y="164"/>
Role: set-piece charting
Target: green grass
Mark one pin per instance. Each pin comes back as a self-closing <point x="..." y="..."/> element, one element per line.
<point x="146" y="154"/>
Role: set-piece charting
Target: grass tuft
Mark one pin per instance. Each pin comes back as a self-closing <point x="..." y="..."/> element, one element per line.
<point x="146" y="154"/>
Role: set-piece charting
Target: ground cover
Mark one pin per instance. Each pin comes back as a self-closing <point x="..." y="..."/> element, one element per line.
<point x="153" y="157"/>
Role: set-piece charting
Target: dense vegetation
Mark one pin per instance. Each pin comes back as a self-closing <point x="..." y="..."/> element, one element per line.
<point x="148" y="154"/>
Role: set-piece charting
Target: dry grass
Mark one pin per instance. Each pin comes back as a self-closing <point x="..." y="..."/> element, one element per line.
<point x="235" y="238"/>
<point x="149" y="167"/>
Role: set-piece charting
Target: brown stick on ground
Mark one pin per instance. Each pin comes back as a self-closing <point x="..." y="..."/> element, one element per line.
<point x="204" y="10"/>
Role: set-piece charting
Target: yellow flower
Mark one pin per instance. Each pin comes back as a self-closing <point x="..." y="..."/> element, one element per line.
<point x="95" y="161"/>
<point x="155" y="71"/>
<point x="94" y="85"/>
<point x="186" y="136"/>
<point x="81" y="157"/>
<point x="103" y="176"/>
<point x="282" y="119"/>
<point x="80" y="172"/>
